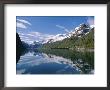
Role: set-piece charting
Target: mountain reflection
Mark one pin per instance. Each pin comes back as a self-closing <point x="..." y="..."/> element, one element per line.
<point x="55" y="62"/>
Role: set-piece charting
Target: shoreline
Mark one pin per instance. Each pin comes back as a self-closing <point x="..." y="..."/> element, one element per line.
<point x="73" y="49"/>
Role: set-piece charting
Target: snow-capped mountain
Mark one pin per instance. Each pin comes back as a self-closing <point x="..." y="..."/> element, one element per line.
<point x="92" y="26"/>
<point x="82" y="29"/>
<point x="57" y="37"/>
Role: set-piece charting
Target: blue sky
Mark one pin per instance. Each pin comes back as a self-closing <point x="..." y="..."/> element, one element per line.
<point x="37" y="28"/>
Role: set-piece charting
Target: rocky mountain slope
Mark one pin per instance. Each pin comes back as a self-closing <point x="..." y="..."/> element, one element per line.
<point x="82" y="29"/>
<point x="81" y="37"/>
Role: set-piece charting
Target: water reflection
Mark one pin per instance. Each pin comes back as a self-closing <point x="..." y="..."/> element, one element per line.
<point x="55" y="62"/>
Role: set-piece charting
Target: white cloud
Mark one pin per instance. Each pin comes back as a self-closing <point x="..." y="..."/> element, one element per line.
<point x="59" y="26"/>
<point x="20" y="33"/>
<point x="24" y="21"/>
<point x="62" y="27"/>
<point x="21" y="23"/>
<point x="29" y="37"/>
<point x="35" y="33"/>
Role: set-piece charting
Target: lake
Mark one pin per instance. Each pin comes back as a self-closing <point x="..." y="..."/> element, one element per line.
<point x="55" y="61"/>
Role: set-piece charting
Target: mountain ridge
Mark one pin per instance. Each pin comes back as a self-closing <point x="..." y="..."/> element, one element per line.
<point x="81" y="37"/>
<point x="78" y="31"/>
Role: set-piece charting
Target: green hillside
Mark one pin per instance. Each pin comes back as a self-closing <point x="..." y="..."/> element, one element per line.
<point x="85" y="41"/>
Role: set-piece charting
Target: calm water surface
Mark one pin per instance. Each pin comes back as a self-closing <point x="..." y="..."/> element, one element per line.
<point x="56" y="62"/>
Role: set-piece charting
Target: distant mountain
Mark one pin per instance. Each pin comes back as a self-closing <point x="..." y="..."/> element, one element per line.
<point x="35" y="45"/>
<point x="57" y="37"/>
<point x="81" y="37"/>
<point x="82" y="29"/>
